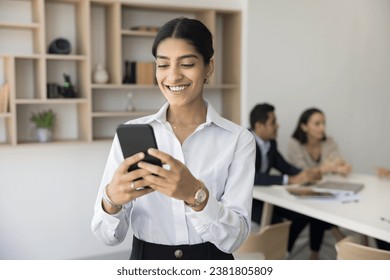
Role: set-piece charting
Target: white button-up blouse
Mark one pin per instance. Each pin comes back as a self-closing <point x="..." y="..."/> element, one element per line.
<point x="219" y="153"/>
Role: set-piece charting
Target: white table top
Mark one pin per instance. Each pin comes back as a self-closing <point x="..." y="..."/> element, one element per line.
<point x="369" y="216"/>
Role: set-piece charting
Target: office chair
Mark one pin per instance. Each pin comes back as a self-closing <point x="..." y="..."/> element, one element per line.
<point x="349" y="249"/>
<point x="269" y="243"/>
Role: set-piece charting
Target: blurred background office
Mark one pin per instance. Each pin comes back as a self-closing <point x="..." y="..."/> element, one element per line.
<point x="330" y="54"/>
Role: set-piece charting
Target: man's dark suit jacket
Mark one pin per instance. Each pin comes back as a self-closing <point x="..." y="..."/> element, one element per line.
<point x="275" y="160"/>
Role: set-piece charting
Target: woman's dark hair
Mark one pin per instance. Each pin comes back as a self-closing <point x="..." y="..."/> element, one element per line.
<point x="299" y="134"/>
<point x="191" y="30"/>
<point x="259" y="114"/>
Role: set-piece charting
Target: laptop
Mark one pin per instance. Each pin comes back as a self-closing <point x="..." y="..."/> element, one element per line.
<point x="340" y="186"/>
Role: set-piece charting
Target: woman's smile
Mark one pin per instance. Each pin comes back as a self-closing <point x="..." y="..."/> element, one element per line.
<point x="177" y="89"/>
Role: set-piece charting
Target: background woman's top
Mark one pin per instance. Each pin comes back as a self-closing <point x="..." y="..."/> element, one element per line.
<point x="298" y="154"/>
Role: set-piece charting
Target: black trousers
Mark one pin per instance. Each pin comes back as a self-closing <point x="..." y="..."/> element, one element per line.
<point x="382" y="244"/>
<point x="143" y="250"/>
<point x="316" y="227"/>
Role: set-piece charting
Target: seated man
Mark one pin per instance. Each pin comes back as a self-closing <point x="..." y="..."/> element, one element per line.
<point x="264" y="127"/>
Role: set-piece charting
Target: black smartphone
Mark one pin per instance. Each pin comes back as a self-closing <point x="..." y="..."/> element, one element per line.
<point x="136" y="138"/>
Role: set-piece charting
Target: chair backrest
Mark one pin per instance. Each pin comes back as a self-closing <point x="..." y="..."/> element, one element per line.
<point x="271" y="241"/>
<point x="349" y="249"/>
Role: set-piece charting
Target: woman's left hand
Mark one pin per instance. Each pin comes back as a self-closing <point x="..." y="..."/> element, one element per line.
<point x="177" y="182"/>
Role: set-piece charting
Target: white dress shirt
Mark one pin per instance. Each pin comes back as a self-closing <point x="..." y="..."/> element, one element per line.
<point x="219" y="153"/>
<point x="264" y="147"/>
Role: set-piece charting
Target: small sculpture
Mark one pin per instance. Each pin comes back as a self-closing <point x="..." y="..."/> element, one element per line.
<point x="129" y="104"/>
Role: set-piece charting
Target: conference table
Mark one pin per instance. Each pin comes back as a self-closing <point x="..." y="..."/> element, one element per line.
<point x="368" y="213"/>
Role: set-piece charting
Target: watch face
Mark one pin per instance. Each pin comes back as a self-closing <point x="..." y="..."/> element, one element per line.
<point x="200" y="196"/>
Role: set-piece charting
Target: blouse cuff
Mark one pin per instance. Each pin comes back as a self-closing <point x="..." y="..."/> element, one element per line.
<point x="113" y="219"/>
<point x="208" y="215"/>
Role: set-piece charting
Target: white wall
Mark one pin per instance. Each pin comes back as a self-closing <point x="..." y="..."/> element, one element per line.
<point x="47" y="195"/>
<point x="333" y="54"/>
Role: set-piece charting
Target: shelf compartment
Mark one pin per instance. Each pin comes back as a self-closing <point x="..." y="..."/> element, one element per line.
<point x="107" y="100"/>
<point x="28" y="73"/>
<point x="68" y="126"/>
<point x="66" y="19"/>
<point x="105" y="38"/>
<point x="21" y="26"/>
<point x="17" y="13"/>
<point x="55" y="70"/>
<point x="19" y="41"/>
<point x="135" y="16"/>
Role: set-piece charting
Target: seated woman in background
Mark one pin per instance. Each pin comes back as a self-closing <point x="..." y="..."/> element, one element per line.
<point x="309" y="147"/>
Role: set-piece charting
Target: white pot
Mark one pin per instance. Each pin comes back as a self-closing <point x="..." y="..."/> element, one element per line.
<point x="44" y="135"/>
<point x="100" y="75"/>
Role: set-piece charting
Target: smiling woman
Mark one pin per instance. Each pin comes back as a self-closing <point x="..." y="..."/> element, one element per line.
<point x="199" y="207"/>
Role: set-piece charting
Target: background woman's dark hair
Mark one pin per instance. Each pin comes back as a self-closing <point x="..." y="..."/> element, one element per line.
<point x="299" y="134"/>
<point x="191" y="30"/>
<point x="259" y="113"/>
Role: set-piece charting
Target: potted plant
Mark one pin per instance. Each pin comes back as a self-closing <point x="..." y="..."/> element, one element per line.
<point x="44" y="122"/>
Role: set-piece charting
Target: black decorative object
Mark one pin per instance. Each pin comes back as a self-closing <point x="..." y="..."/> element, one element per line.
<point x="59" y="46"/>
<point x="129" y="77"/>
<point x="67" y="90"/>
<point x="52" y="90"/>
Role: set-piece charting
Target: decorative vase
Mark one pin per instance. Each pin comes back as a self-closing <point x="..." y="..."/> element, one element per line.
<point x="44" y="134"/>
<point x="100" y="74"/>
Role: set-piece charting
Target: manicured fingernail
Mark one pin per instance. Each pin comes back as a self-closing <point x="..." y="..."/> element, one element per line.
<point x="151" y="150"/>
<point x="141" y="155"/>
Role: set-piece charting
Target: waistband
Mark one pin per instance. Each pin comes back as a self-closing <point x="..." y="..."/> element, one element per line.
<point x="143" y="250"/>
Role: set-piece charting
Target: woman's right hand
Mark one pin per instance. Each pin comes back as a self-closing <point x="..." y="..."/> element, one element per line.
<point x="123" y="188"/>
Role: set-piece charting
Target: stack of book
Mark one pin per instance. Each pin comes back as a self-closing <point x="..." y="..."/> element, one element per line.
<point x="4" y="98"/>
<point x="138" y="72"/>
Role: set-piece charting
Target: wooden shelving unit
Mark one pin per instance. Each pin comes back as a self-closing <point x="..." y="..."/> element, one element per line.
<point x="99" y="32"/>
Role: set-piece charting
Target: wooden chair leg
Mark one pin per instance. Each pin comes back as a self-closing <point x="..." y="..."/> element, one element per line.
<point x="266" y="215"/>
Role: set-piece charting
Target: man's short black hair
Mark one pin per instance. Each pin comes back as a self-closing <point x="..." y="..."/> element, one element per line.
<point x="260" y="113"/>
